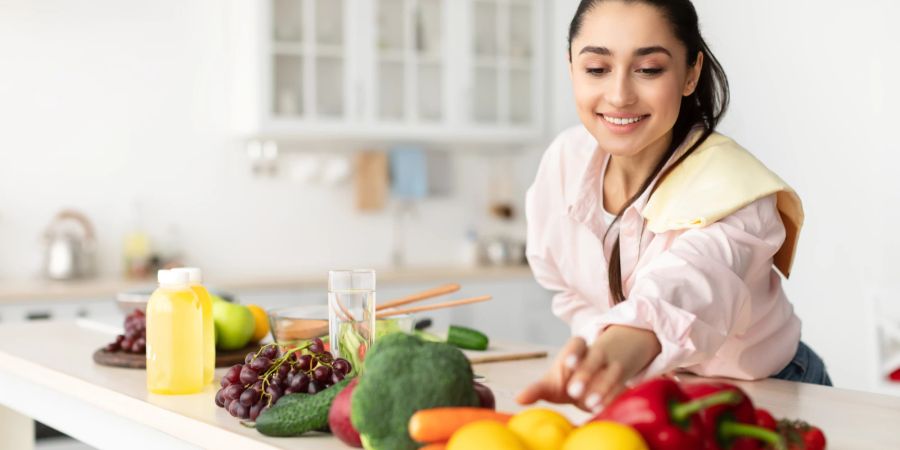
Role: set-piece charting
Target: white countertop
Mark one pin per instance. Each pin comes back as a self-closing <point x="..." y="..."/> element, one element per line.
<point x="17" y="291"/>
<point x="46" y="372"/>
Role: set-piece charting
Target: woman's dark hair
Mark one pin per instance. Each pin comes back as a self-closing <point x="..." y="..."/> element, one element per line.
<point x="704" y="107"/>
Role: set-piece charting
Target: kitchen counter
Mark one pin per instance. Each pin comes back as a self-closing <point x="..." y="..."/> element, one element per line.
<point x="47" y="290"/>
<point x="46" y="372"/>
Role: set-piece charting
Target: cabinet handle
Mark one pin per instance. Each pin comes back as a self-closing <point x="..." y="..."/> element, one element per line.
<point x="38" y="315"/>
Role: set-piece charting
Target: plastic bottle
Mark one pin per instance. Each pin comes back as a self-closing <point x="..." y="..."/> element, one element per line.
<point x="195" y="279"/>
<point x="174" y="337"/>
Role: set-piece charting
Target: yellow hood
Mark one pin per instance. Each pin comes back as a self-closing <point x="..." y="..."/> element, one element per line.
<point x="717" y="179"/>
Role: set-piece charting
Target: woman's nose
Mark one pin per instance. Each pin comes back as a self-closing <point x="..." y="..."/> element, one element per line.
<point x="621" y="92"/>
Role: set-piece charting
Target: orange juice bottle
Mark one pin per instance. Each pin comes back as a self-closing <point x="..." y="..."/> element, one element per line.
<point x="195" y="278"/>
<point x="174" y="337"/>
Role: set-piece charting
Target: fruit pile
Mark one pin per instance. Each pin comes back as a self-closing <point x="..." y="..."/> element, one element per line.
<point x="135" y="338"/>
<point x="272" y="372"/>
<point x="658" y="414"/>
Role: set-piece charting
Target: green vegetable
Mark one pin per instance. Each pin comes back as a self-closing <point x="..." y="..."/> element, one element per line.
<point x="467" y="338"/>
<point x="402" y="375"/>
<point x="296" y="414"/>
<point x="351" y="341"/>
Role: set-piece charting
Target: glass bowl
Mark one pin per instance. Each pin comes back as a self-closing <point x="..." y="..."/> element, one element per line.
<point x="402" y="323"/>
<point x="297" y="324"/>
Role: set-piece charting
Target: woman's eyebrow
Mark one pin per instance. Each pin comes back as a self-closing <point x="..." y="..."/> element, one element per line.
<point x="643" y="51"/>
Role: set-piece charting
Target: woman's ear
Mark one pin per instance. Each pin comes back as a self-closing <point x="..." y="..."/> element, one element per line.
<point x="693" y="75"/>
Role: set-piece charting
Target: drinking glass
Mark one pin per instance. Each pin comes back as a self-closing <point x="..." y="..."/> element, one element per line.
<point x="351" y="314"/>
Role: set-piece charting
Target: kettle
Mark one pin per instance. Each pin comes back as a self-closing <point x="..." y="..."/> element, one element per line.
<point x="69" y="247"/>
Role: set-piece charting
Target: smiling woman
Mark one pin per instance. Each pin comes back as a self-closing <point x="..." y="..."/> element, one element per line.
<point x="688" y="227"/>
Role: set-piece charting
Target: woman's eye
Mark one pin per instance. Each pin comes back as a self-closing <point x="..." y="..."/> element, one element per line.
<point x="650" y="71"/>
<point x="596" y="71"/>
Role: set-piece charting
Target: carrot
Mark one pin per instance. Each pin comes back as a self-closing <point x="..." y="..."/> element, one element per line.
<point x="435" y="446"/>
<point x="438" y="424"/>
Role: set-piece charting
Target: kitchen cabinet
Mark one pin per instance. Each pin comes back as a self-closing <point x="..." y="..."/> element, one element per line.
<point x="423" y="70"/>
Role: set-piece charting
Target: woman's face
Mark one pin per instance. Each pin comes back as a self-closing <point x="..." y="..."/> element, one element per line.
<point x="629" y="73"/>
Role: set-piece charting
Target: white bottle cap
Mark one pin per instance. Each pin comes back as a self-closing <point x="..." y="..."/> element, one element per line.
<point x="172" y="278"/>
<point x="195" y="276"/>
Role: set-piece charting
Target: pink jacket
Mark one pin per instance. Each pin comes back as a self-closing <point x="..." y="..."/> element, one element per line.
<point x="711" y="294"/>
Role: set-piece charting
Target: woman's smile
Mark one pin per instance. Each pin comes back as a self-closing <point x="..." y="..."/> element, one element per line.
<point x="619" y="123"/>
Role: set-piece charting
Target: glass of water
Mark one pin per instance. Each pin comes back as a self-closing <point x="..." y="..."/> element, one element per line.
<point x="351" y="314"/>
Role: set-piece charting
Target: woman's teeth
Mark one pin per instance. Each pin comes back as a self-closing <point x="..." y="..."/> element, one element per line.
<point x="622" y="121"/>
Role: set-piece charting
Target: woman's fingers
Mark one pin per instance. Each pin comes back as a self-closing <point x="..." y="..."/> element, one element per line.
<point x="589" y="367"/>
<point x="534" y="392"/>
<point x="604" y="387"/>
<point x="552" y="387"/>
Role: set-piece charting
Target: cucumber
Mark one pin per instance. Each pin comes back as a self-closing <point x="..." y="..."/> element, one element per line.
<point x="296" y="414"/>
<point x="466" y="338"/>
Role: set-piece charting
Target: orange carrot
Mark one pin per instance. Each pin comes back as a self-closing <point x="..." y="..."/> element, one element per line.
<point x="435" y="446"/>
<point x="438" y="424"/>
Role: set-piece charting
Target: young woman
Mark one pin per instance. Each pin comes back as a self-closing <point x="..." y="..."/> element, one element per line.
<point x="661" y="236"/>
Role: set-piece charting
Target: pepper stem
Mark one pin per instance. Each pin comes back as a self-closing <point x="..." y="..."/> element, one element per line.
<point x="679" y="412"/>
<point x="729" y="429"/>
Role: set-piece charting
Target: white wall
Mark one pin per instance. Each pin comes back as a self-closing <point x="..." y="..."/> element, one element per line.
<point x="814" y="90"/>
<point x="106" y="101"/>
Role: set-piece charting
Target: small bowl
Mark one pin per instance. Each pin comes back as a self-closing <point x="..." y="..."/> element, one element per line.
<point x="294" y="324"/>
<point x="137" y="299"/>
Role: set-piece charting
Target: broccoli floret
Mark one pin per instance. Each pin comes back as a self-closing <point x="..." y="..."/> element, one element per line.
<point x="402" y="375"/>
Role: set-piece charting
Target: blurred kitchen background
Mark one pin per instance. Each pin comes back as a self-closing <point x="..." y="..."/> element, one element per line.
<point x="269" y="141"/>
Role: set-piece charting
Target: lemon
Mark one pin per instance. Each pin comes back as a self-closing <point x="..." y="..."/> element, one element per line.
<point x="484" y="435"/>
<point x="262" y="322"/>
<point x="540" y="428"/>
<point x="605" y="436"/>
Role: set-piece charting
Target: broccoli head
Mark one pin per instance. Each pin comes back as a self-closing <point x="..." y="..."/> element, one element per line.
<point x="402" y="375"/>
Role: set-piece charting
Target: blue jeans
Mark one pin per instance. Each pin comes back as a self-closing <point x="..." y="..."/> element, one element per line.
<point x="806" y="367"/>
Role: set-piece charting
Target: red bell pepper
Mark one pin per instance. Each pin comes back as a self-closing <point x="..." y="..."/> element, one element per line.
<point x="663" y="414"/>
<point x="764" y="419"/>
<point x="731" y="426"/>
<point x="800" y="435"/>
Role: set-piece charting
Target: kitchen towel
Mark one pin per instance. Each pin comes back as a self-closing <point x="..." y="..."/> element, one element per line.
<point x="409" y="173"/>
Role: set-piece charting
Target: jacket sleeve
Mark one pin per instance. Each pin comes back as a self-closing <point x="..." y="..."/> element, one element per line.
<point x="694" y="295"/>
<point x="545" y="206"/>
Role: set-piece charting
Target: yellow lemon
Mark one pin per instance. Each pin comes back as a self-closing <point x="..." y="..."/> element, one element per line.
<point x="605" y="436"/>
<point x="484" y="435"/>
<point x="262" y="322"/>
<point x="540" y="428"/>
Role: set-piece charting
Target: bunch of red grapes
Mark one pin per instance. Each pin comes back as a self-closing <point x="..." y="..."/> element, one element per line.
<point x="135" y="338"/>
<point x="250" y="388"/>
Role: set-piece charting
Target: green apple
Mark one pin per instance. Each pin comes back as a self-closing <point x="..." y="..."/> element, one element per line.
<point x="216" y="298"/>
<point x="234" y="325"/>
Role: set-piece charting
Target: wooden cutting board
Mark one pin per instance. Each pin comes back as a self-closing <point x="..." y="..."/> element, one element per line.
<point x="503" y="351"/>
<point x="139" y="360"/>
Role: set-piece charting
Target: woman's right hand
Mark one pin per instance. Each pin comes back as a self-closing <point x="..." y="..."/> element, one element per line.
<point x="552" y="387"/>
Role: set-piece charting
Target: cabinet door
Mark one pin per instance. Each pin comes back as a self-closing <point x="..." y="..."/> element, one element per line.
<point x="506" y="77"/>
<point x="408" y="61"/>
<point x="309" y="61"/>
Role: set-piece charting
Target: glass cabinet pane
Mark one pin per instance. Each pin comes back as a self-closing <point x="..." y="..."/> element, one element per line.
<point x="391" y="23"/>
<point x="287" y="20"/>
<point x="390" y="90"/>
<point x="430" y="92"/>
<point x="520" y="30"/>
<point x="520" y="96"/>
<point x="428" y="27"/>
<point x="485" y="41"/>
<point x="287" y="85"/>
<point x="330" y="87"/>
<point x="485" y="101"/>
<point x="329" y="22"/>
